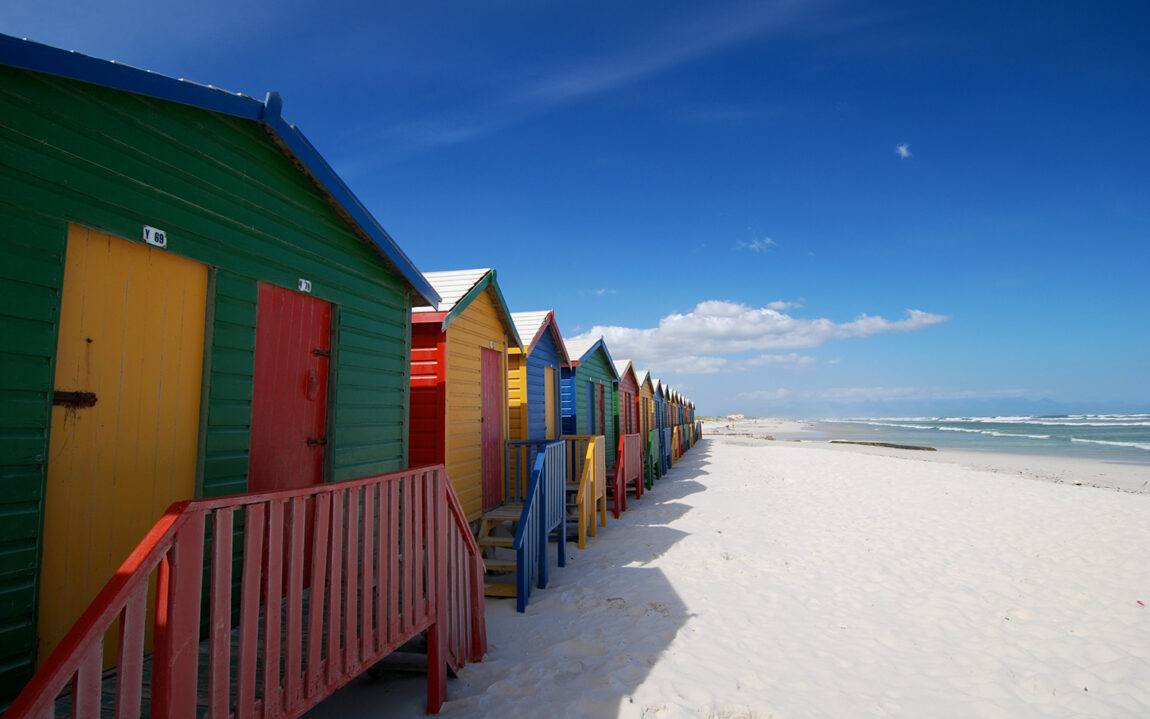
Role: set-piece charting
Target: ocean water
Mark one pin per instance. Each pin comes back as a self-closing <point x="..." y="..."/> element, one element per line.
<point x="1118" y="437"/>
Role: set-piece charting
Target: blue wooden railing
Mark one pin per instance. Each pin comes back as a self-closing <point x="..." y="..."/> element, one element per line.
<point x="543" y="511"/>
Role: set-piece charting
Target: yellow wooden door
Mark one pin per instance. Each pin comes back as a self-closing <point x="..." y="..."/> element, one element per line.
<point x="550" y="401"/>
<point x="132" y="334"/>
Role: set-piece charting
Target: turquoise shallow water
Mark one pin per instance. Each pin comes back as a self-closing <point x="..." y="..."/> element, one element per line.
<point x="1117" y="437"/>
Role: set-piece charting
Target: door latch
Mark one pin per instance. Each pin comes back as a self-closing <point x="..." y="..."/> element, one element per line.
<point x="69" y="398"/>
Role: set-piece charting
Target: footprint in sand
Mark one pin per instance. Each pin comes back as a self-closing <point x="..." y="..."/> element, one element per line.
<point x="660" y="608"/>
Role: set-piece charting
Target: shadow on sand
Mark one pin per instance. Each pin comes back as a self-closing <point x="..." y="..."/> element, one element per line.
<point x="599" y="627"/>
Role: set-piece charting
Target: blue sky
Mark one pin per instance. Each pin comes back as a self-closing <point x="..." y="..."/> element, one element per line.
<point x="801" y="208"/>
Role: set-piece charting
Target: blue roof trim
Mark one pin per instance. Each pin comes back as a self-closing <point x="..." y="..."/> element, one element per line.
<point x="291" y="136"/>
<point x="549" y="325"/>
<point x="30" y="55"/>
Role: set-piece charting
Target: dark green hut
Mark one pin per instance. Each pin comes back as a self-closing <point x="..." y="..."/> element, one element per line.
<point x="194" y="304"/>
<point x="587" y="393"/>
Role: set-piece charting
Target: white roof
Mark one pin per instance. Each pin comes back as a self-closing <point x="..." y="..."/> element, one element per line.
<point x="578" y="346"/>
<point x="621" y="366"/>
<point x="451" y="286"/>
<point x="528" y="324"/>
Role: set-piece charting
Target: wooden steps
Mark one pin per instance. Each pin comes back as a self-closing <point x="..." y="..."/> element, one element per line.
<point x="500" y="589"/>
<point x="497" y="531"/>
<point x="490" y="541"/>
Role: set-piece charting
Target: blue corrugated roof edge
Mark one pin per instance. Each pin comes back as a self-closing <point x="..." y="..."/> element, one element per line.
<point x="31" y="55"/>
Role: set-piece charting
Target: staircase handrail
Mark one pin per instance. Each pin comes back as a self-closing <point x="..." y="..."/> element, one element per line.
<point x="526" y="544"/>
<point x="628" y="468"/>
<point x="591" y="496"/>
<point x="518" y="459"/>
<point x="411" y="514"/>
<point x="472" y="577"/>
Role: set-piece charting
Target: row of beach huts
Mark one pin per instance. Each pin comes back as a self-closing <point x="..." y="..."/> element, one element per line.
<point x="247" y="449"/>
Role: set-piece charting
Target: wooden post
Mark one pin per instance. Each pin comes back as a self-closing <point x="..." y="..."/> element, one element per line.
<point x="437" y="632"/>
<point x="175" y="656"/>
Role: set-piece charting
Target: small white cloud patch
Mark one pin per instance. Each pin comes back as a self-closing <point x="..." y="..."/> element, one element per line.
<point x="903" y="150"/>
<point x="783" y="305"/>
<point x="755" y="245"/>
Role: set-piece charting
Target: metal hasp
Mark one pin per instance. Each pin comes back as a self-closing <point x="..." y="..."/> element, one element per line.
<point x="70" y="398"/>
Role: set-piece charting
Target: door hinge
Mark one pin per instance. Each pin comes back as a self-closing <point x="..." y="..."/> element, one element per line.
<point x="316" y="441"/>
<point x="321" y="352"/>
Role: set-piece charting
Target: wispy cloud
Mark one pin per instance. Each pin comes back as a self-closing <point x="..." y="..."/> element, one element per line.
<point x="716" y="328"/>
<point x="667" y="46"/>
<point x="596" y="293"/>
<point x="779" y="393"/>
<point x="903" y="150"/>
<point x="757" y="245"/>
<point x="710" y="364"/>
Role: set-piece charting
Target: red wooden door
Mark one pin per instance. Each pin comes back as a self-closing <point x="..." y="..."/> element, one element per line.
<point x="289" y="405"/>
<point x="602" y="419"/>
<point x="491" y="424"/>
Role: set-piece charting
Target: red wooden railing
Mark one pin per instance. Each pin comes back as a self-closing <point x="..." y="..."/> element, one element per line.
<point x="389" y="557"/>
<point x="628" y="469"/>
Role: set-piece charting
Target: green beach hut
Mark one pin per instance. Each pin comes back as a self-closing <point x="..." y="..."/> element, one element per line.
<point x="194" y="305"/>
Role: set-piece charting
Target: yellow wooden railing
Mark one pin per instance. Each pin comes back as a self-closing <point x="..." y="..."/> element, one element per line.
<point x="587" y="460"/>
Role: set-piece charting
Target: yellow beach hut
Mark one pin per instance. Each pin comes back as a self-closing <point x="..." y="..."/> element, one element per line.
<point x="459" y="384"/>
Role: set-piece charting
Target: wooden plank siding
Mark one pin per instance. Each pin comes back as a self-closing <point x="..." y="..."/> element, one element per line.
<point x="32" y="272"/>
<point x="593" y="369"/>
<point x="543" y="356"/>
<point x="646" y="406"/>
<point x="428" y="394"/>
<point x="478" y="326"/>
<point x="527" y="379"/>
<point x="626" y="392"/>
<point x="517" y="393"/>
<point x="74" y="153"/>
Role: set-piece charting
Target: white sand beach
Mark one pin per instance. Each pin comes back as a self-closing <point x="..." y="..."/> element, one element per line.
<point x="794" y="579"/>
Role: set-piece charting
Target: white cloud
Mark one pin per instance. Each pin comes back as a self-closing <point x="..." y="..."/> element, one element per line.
<point x="755" y="245"/>
<point x="598" y="292"/>
<point x="782" y="305"/>
<point x="779" y="393"/>
<point x="710" y="364"/>
<point x="903" y="150"/>
<point x="717" y="327"/>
